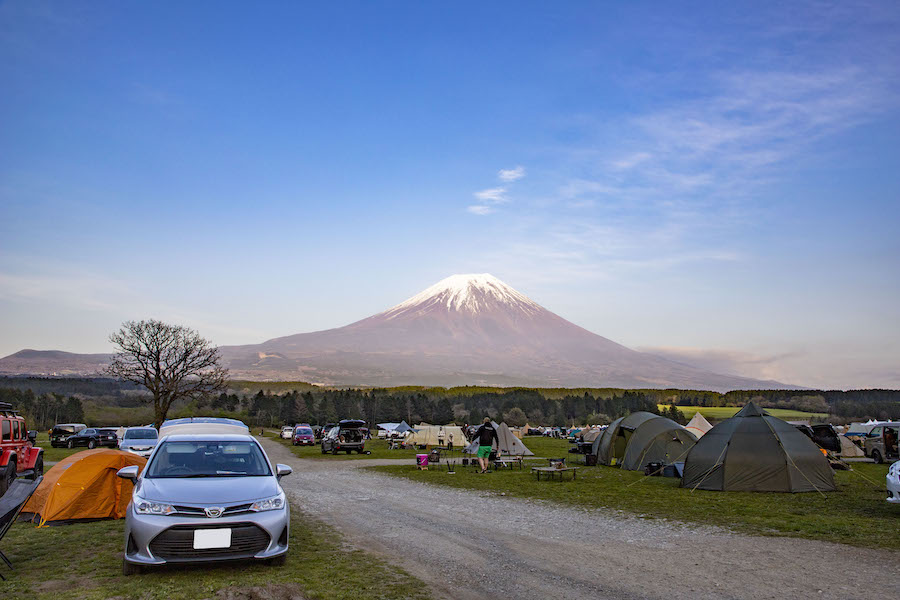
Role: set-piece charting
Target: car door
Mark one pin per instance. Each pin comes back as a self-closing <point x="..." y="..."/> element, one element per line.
<point x="86" y="436"/>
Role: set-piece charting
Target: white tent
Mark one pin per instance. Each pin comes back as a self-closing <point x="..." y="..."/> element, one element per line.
<point x="430" y="435"/>
<point x="507" y="443"/>
<point x="849" y="449"/>
<point x="698" y="425"/>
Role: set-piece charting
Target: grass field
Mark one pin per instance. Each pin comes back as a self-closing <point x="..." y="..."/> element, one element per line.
<point x="84" y="561"/>
<point x="719" y="413"/>
<point x="53" y="454"/>
<point x="856" y="514"/>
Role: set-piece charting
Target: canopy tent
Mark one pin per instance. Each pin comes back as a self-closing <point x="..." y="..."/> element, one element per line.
<point x="698" y="425"/>
<point x="659" y="440"/>
<point x="849" y="449"/>
<point x="430" y="435"/>
<point x="610" y="446"/>
<point x="84" y="486"/>
<point x="589" y="435"/>
<point x="507" y="443"/>
<point x="756" y="452"/>
<point x="395" y="428"/>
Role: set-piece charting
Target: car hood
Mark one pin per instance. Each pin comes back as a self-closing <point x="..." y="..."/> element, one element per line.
<point x="138" y="443"/>
<point x="208" y="490"/>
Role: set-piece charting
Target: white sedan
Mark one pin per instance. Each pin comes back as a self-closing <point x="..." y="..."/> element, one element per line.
<point x="287" y="432"/>
<point x="893" y="483"/>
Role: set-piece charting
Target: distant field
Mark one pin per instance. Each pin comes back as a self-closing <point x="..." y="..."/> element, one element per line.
<point x="725" y="412"/>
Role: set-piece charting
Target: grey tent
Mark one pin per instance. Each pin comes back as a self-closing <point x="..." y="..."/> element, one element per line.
<point x="508" y="444"/>
<point x="610" y="446"/>
<point x="756" y="452"/>
<point x="657" y="440"/>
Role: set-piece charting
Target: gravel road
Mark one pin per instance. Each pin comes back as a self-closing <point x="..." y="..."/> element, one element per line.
<point x="474" y="545"/>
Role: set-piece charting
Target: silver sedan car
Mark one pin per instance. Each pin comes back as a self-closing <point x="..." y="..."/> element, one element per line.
<point x="206" y="498"/>
<point x="139" y="440"/>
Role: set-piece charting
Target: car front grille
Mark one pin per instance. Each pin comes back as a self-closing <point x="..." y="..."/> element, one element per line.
<point x="196" y="511"/>
<point x="177" y="543"/>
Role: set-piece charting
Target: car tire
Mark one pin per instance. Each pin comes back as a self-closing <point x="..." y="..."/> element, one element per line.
<point x="70" y="444"/>
<point x="876" y="456"/>
<point x="278" y="561"/>
<point x="131" y="568"/>
<point x="323" y="451"/>
<point x="38" y="467"/>
<point x="91" y="444"/>
<point x="349" y="452"/>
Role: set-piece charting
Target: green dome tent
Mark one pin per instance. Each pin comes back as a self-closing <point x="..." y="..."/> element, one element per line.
<point x="756" y="452"/>
<point x="657" y="440"/>
<point x="610" y="447"/>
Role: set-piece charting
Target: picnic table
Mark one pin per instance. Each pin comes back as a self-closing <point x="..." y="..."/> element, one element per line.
<point x="508" y="461"/>
<point x="551" y="471"/>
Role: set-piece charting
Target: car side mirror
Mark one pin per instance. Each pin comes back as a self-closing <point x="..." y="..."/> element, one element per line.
<point x="32" y="436"/>
<point x="282" y="470"/>
<point x="130" y="472"/>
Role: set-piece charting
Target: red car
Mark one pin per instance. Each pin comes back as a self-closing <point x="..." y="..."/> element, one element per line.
<point x="304" y="436"/>
<point x="18" y="454"/>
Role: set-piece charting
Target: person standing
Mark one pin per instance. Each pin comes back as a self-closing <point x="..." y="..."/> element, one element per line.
<point x="450" y="442"/>
<point x="441" y="436"/>
<point x="486" y="436"/>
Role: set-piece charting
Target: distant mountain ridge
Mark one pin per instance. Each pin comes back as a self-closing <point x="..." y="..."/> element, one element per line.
<point x="464" y="330"/>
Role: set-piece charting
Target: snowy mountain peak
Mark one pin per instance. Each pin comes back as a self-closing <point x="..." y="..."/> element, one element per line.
<point x="472" y="293"/>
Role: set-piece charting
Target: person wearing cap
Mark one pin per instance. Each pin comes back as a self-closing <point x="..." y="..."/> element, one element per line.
<point x="486" y="436"/>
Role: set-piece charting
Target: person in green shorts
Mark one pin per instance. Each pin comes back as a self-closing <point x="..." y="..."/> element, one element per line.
<point x="486" y="436"/>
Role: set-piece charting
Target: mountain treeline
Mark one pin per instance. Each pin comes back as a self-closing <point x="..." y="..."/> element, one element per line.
<point x="46" y="401"/>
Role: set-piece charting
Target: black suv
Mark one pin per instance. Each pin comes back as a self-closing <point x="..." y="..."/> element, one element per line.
<point x="60" y="433"/>
<point x="346" y="436"/>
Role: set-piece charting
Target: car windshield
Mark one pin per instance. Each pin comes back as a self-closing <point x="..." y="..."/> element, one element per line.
<point x="208" y="459"/>
<point x="140" y="434"/>
<point x="303" y="431"/>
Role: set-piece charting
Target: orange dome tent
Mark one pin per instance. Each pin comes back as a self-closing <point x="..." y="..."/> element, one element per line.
<point x="84" y="486"/>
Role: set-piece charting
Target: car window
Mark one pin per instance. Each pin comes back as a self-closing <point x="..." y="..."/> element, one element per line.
<point x="176" y="459"/>
<point x="876" y="431"/>
<point x="88" y="432"/>
<point x="304" y="431"/>
<point x="5" y="429"/>
<point x="15" y="431"/>
<point x="141" y="434"/>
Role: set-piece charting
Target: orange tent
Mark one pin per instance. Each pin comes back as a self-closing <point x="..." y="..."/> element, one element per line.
<point x="84" y="486"/>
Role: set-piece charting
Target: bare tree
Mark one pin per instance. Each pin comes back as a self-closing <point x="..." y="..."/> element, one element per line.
<point x="171" y="361"/>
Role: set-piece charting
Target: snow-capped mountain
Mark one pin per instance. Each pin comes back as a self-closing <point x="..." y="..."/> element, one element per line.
<point x="468" y="330"/>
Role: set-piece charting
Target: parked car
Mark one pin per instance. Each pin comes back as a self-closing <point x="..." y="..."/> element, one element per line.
<point x="346" y="436"/>
<point x="304" y="436"/>
<point x="823" y="435"/>
<point x="60" y="433"/>
<point x="287" y="432"/>
<point x="206" y="497"/>
<point x="893" y="483"/>
<point x="321" y="433"/>
<point x="881" y="442"/>
<point x="18" y="453"/>
<point x="92" y="438"/>
<point x="139" y="440"/>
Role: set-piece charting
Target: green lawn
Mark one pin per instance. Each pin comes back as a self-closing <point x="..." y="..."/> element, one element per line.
<point x="719" y="413"/>
<point x="53" y="454"/>
<point x="856" y="514"/>
<point x="84" y="561"/>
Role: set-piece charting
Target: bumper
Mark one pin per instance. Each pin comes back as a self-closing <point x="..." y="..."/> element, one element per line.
<point x="142" y="530"/>
<point x="144" y="453"/>
<point x="304" y="442"/>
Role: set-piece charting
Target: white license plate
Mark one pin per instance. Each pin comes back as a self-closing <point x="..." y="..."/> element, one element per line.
<point x="211" y="538"/>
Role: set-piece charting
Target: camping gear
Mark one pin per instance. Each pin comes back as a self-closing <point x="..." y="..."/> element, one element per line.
<point x="610" y="446"/>
<point x="653" y="469"/>
<point x="756" y="452"/>
<point x="10" y="505"/>
<point x="658" y="440"/>
<point x="84" y="486"/>
<point x="698" y="425"/>
<point x="434" y="456"/>
<point x="422" y="461"/>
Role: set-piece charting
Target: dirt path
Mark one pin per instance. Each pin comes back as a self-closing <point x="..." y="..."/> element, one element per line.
<point x="477" y="545"/>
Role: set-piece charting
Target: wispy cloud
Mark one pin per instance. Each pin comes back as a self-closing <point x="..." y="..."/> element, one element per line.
<point x="496" y="195"/>
<point x="480" y="209"/>
<point x="511" y="174"/>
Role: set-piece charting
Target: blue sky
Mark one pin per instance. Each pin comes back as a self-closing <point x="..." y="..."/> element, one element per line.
<point x="715" y="183"/>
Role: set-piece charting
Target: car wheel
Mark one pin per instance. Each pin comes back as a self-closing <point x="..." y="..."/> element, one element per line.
<point x="8" y="477"/>
<point x="876" y="456"/>
<point x="349" y="452"/>
<point x="323" y="451"/>
<point x="91" y="444"/>
<point x="70" y="444"/>
<point x="130" y="568"/>
<point x="38" y="467"/>
<point x="278" y="561"/>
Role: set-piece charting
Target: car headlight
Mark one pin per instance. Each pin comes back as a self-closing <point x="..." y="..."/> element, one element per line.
<point x="274" y="503"/>
<point x="146" y="507"/>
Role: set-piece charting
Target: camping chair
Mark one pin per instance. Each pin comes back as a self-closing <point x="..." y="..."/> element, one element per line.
<point x="11" y="504"/>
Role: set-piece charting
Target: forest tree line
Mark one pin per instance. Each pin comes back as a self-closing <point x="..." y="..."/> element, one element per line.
<point x="46" y="401"/>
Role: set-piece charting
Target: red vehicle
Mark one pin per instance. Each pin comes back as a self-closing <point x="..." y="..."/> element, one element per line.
<point x="18" y="454"/>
